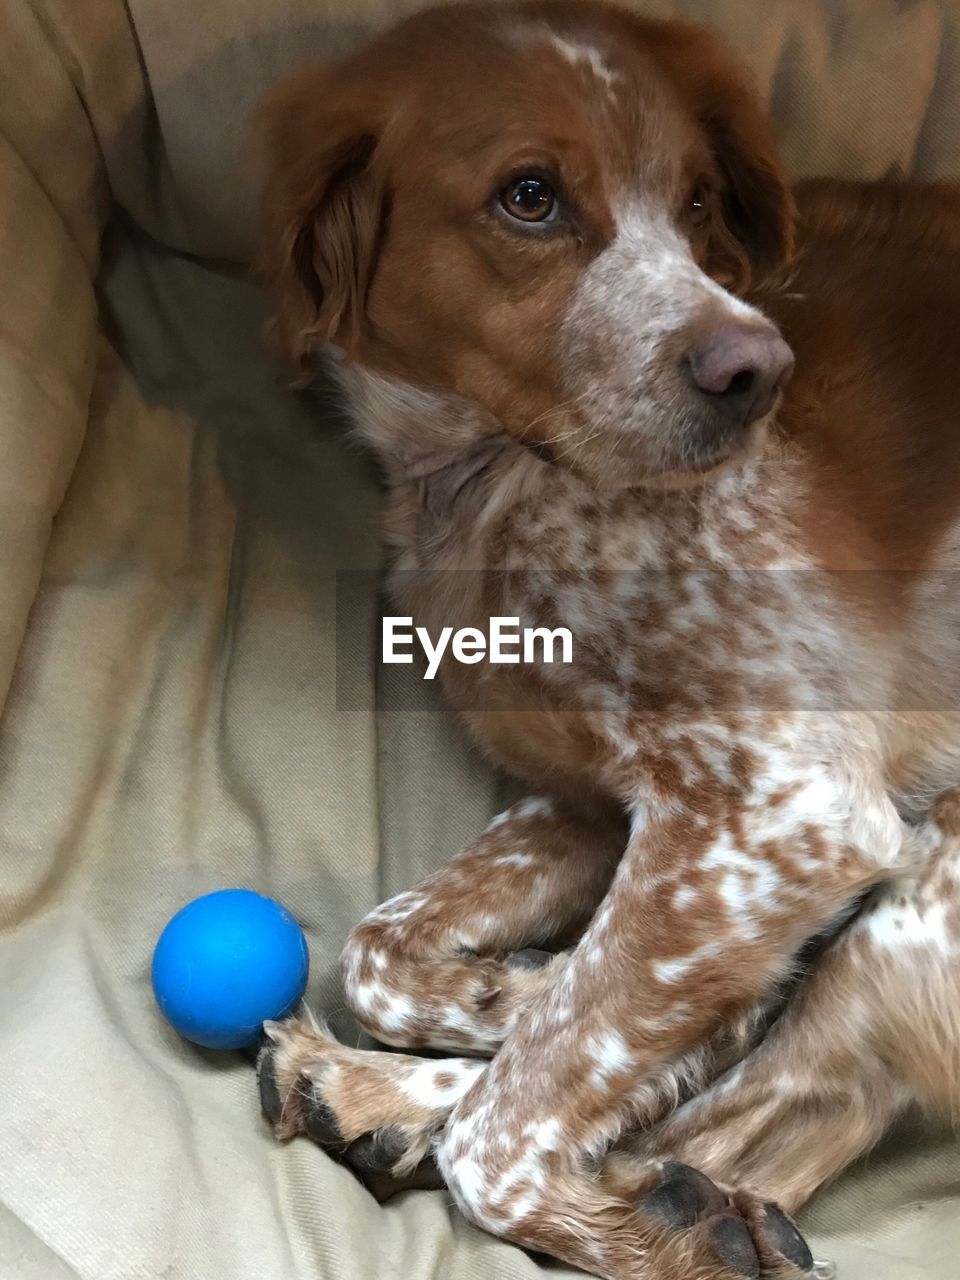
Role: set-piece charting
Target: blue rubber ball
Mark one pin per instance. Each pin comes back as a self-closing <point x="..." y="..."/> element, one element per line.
<point x="225" y="963"/>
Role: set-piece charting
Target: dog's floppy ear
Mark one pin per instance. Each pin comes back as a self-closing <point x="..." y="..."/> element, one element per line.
<point x="756" y="238"/>
<point x="323" y="206"/>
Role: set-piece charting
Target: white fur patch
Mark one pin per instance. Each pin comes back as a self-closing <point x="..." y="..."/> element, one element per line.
<point x="396" y="1012"/>
<point x="584" y="55"/>
<point x="684" y="896"/>
<point x="520" y="860"/>
<point x="893" y="926"/>
<point x="421" y="1084"/>
<point x="531" y="807"/>
<point x="629" y="305"/>
<point x="610" y="1055"/>
<point x="673" y="970"/>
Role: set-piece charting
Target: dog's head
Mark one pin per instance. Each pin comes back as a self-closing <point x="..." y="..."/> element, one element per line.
<point x="549" y="209"/>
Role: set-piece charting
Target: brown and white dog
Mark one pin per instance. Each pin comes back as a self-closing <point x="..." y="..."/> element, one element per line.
<point x="563" y="282"/>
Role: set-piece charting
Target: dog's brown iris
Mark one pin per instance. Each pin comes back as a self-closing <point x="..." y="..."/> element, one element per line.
<point x="529" y="199"/>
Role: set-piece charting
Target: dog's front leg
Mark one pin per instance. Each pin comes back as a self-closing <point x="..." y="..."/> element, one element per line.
<point x="452" y="963"/>
<point x="873" y="1030"/>
<point x="699" y="924"/>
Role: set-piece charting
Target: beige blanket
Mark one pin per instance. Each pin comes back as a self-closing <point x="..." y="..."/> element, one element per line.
<point x="171" y="518"/>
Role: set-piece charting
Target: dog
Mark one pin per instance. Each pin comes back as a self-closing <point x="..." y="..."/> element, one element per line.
<point x="617" y="373"/>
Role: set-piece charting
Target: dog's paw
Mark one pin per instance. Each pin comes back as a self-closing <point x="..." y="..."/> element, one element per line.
<point x="464" y="1002"/>
<point x="736" y="1233"/>
<point x="376" y="1112"/>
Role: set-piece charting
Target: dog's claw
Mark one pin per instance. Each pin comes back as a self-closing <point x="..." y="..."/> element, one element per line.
<point x="487" y="996"/>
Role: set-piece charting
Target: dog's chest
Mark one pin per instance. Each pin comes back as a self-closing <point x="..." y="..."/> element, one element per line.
<point x="693" y="613"/>
<point x="696" y="603"/>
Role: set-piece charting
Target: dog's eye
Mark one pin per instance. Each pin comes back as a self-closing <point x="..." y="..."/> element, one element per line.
<point x="698" y="206"/>
<point x="529" y="200"/>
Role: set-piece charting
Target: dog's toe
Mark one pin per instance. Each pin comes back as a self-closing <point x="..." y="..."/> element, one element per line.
<point x="376" y="1152"/>
<point x="735" y="1230"/>
<point x="288" y="1070"/>
<point x="731" y="1241"/>
<point x="271" y="1102"/>
<point x="319" y="1121"/>
<point x="782" y="1235"/>
<point x="682" y="1196"/>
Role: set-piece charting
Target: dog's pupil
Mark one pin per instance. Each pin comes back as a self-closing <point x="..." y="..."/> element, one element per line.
<point x="530" y="196"/>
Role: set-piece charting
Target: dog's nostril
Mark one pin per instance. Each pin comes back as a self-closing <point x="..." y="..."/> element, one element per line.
<point x="742" y="381"/>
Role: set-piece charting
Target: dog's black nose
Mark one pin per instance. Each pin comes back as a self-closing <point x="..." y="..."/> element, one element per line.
<point x="739" y="369"/>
